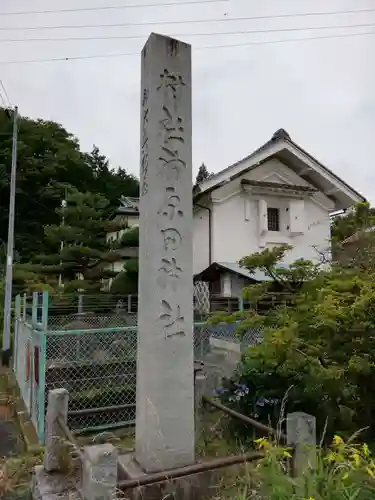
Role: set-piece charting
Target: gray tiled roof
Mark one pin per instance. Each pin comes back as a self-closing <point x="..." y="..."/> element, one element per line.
<point x="236" y="268"/>
<point x="128" y="205"/>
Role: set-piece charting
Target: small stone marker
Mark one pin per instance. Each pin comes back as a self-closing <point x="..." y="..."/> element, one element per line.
<point x="301" y="433"/>
<point x="165" y="381"/>
<point x="58" y="400"/>
<point x="99" y="472"/>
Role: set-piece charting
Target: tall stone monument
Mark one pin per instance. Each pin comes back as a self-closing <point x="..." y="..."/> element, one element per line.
<point x="165" y="382"/>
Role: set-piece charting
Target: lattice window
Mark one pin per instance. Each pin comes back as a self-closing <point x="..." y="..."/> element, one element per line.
<point x="273" y="219"/>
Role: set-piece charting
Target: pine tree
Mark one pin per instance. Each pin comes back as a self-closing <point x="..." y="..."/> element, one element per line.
<point x="81" y="252"/>
<point x="113" y="182"/>
<point x="202" y="174"/>
<point x="126" y="282"/>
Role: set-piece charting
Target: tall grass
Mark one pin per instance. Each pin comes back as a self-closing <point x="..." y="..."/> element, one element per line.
<point x="345" y="471"/>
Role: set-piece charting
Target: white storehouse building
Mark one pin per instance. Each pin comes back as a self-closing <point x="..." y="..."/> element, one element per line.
<point x="278" y="194"/>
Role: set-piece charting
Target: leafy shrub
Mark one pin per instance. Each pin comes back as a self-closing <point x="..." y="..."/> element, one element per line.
<point x="344" y="471"/>
<point x="130" y="238"/>
<point x="319" y="344"/>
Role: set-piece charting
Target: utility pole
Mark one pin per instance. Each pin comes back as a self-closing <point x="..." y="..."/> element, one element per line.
<point x="63" y="206"/>
<point x="6" y="351"/>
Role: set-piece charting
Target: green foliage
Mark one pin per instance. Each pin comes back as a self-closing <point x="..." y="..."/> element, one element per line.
<point x="1" y="306"/>
<point x="130" y="238"/>
<point x="202" y="174"/>
<point x="126" y="282"/>
<point x="79" y="244"/>
<point x="358" y="219"/>
<point x="319" y="345"/>
<point x="113" y="183"/>
<point x="49" y="160"/>
<point x="344" y="471"/>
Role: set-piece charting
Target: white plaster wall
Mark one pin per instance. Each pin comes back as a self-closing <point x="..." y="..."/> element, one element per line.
<point x="130" y="221"/>
<point x="201" y="252"/>
<point x="275" y="171"/>
<point x="238" y="284"/>
<point x="118" y="266"/>
<point x="236" y="230"/>
<point x="233" y="237"/>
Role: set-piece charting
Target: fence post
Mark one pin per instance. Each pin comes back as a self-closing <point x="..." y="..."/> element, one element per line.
<point x="45" y="311"/>
<point x="240" y="304"/>
<point x="42" y="367"/>
<point x="24" y="306"/>
<point x="99" y="472"/>
<point x="200" y="389"/>
<point x="129" y="303"/>
<point x="34" y="311"/>
<point x="301" y="433"/>
<point x="17" y="317"/>
<point x="57" y="408"/>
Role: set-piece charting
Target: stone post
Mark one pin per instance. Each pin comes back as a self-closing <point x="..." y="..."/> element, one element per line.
<point x="165" y="381"/>
<point x="200" y="390"/>
<point x="34" y="311"/>
<point x="99" y="472"/>
<point x="57" y="408"/>
<point x="301" y="433"/>
<point x="24" y="307"/>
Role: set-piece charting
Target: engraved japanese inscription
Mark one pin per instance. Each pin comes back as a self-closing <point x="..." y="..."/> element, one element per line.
<point x="173" y="126"/>
<point x="171" y="207"/>
<point x="171" y="213"/>
<point x="173" y="137"/>
<point x="172" y="320"/>
<point x="144" y="144"/>
<point x="172" y="238"/>
<point x="171" y="81"/>
<point x="170" y="272"/>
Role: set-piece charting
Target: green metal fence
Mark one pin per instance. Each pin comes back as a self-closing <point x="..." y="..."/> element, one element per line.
<point x="93" y="357"/>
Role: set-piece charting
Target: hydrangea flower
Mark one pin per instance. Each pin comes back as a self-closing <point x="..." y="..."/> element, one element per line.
<point x="219" y="391"/>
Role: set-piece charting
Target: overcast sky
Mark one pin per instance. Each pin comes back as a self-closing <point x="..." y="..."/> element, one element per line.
<point x="321" y="91"/>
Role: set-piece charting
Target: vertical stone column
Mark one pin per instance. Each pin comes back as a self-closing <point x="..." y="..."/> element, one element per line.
<point x="165" y="381"/>
<point x="58" y="400"/>
<point x="99" y="472"/>
<point x="301" y="433"/>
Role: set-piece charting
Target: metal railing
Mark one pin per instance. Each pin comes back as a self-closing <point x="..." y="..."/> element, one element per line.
<point x="97" y="365"/>
<point x="101" y="469"/>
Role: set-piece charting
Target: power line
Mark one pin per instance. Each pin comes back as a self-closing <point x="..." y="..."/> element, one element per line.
<point x="286" y="40"/>
<point x="236" y="45"/>
<point x="112" y="7"/>
<point x="212" y="33"/>
<point x="193" y="21"/>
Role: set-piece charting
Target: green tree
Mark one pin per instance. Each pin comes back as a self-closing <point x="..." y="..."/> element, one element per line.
<point x="114" y="183"/>
<point x="358" y="219"/>
<point x="80" y="249"/>
<point x="126" y="282"/>
<point x="318" y="347"/>
<point x="202" y="174"/>
<point x="353" y="245"/>
<point x="49" y="159"/>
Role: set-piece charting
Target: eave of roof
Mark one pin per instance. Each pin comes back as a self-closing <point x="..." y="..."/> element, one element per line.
<point x="289" y="187"/>
<point x="280" y="136"/>
<point x="235" y="268"/>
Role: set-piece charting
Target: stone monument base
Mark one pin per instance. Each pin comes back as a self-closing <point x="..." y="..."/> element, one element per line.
<point x="197" y="486"/>
<point x="54" y="486"/>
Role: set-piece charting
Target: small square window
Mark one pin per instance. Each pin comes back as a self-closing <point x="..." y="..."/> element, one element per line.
<point x="273" y="219"/>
